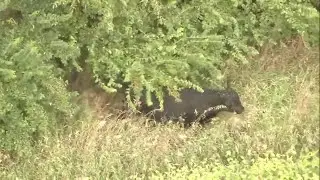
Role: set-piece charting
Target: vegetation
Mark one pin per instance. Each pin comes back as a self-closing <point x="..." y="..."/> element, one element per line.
<point x="55" y="49"/>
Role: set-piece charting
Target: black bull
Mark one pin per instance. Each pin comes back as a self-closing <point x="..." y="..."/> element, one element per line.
<point x="194" y="105"/>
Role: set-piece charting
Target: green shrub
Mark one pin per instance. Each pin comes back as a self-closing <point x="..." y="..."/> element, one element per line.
<point x="144" y="43"/>
<point x="32" y="99"/>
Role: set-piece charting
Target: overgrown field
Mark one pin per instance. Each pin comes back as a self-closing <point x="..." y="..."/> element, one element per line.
<point x="276" y="138"/>
<point x="66" y="66"/>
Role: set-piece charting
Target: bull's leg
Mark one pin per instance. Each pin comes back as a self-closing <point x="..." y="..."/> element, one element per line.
<point x="189" y="119"/>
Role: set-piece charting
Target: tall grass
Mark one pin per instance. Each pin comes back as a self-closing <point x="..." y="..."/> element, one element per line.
<point x="277" y="136"/>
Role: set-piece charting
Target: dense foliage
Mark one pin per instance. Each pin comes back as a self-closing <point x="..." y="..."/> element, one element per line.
<point x="150" y="43"/>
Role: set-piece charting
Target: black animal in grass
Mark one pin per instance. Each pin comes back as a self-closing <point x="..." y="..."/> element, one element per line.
<point x="194" y="105"/>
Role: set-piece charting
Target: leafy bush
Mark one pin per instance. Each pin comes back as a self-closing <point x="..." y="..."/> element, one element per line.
<point x="32" y="99"/>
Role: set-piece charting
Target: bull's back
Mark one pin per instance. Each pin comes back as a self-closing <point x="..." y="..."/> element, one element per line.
<point x="191" y="101"/>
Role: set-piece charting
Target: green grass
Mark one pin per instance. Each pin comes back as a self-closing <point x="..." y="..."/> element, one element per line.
<point x="276" y="138"/>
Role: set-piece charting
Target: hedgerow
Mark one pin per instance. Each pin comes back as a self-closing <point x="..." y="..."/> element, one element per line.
<point x="144" y="44"/>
